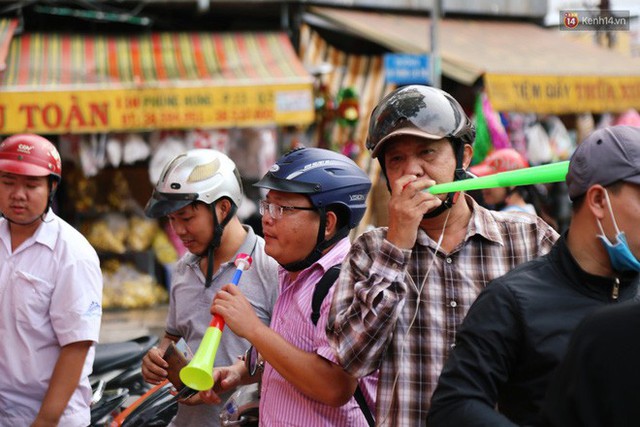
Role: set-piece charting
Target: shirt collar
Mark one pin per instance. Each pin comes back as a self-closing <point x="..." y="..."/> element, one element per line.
<point x="46" y="234"/>
<point x="335" y="256"/>
<point x="481" y="223"/>
<point x="590" y="284"/>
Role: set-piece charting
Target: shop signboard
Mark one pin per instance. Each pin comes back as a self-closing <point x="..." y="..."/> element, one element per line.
<point x="60" y="83"/>
<point x="557" y="94"/>
<point x="145" y="109"/>
<point x="404" y="68"/>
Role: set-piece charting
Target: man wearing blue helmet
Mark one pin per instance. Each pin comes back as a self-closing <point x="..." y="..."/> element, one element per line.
<point x="405" y="288"/>
<point x="315" y="197"/>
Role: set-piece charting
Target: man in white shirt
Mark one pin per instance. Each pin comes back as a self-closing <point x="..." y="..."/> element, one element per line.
<point x="50" y="294"/>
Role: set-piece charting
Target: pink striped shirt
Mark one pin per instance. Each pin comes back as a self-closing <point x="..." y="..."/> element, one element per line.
<point x="281" y="404"/>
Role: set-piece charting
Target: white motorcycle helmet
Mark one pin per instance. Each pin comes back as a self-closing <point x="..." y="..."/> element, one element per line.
<point x="198" y="175"/>
<point x="202" y="175"/>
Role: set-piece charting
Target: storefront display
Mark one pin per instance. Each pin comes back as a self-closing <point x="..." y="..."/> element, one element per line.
<point x="120" y="106"/>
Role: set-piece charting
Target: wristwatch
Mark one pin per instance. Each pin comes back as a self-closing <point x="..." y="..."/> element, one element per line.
<point x="253" y="361"/>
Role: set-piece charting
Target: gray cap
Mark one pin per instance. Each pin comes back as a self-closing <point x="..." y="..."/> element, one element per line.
<point x="606" y="156"/>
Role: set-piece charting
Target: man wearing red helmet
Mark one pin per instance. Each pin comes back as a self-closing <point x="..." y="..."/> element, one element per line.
<point x="51" y="294"/>
<point x="514" y="199"/>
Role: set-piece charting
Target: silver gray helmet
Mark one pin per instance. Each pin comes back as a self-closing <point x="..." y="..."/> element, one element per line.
<point x="203" y="175"/>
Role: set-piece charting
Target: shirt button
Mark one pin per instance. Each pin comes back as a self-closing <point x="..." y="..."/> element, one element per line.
<point x="449" y="260"/>
<point x="453" y="346"/>
<point x="453" y="304"/>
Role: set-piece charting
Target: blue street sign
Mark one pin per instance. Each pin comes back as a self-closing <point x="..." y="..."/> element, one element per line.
<point x="403" y="68"/>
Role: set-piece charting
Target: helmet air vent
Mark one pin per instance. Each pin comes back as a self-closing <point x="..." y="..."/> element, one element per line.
<point x="205" y="171"/>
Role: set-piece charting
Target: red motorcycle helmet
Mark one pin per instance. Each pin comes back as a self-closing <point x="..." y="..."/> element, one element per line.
<point x="504" y="160"/>
<point x="29" y="154"/>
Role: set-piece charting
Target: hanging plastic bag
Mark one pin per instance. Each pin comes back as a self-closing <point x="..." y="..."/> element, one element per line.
<point x="538" y="145"/>
<point x="216" y="139"/>
<point x="629" y="118"/>
<point x="88" y="159"/>
<point x="585" y="124"/>
<point x="135" y="149"/>
<point x="164" y="150"/>
<point x="561" y="142"/>
<point x="114" y="150"/>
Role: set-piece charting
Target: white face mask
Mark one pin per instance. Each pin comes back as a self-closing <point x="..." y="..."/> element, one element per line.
<point x="621" y="257"/>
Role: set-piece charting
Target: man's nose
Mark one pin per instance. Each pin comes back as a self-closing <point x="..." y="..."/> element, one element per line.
<point x="414" y="166"/>
<point x="18" y="192"/>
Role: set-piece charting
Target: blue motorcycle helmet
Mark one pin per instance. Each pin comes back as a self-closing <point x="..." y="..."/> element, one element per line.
<point x="332" y="181"/>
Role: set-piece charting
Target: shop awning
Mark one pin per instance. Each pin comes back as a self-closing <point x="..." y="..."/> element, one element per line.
<point x="363" y="73"/>
<point x="524" y="67"/>
<point x="7" y="29"/>
<point x="81" y="84"/>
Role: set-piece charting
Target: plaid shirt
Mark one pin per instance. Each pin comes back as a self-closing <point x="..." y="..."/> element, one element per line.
<point x="375" y="320"/>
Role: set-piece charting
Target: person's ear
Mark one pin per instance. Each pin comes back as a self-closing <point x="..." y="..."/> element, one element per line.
<point x="223" y="206"/>
<point x="331" y="223"/>
<point x="596" y="201"/>
<point x="467" y="155"/>
<point x="226" y="205"/>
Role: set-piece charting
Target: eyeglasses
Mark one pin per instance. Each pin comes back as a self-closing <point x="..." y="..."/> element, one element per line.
<point x="277" y="211"/>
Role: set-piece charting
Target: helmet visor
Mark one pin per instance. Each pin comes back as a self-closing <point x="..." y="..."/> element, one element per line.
<point x="272" y="182"/>
<point x="162" y="204"/>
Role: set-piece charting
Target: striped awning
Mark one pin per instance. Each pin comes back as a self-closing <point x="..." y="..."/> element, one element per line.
<point x="364" y="73"/>
<point x="78" y="84"/>
<point x="7" y="29"/>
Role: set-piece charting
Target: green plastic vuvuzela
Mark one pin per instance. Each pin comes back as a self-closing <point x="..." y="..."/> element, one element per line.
<point x="554" y="172"/>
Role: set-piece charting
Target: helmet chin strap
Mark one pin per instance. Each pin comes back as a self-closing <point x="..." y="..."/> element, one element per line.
<point x="321" y="245"/>
<point x="38" y="218"/>
<point x="458" y="175"/>
<point x="218" y="229"/>
<point x="451" y="198"/>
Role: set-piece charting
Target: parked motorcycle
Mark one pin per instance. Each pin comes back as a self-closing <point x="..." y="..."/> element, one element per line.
<point x="158" y="406"/>
<point x="241" y="409"/>
<point x="117" y="377"/>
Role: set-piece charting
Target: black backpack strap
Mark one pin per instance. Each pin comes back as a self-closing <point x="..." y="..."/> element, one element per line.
<point x="321" y="290"/>
<point x="362" y="403"/>
<point x="319" y="293"/>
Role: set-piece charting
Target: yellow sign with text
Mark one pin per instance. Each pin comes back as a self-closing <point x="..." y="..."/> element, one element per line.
<point x="562" y="95"/>
<point x="157" y="108"/>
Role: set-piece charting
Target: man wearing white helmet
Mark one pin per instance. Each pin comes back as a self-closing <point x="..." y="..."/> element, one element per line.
<point x="50" y="294"/>
<point x="199" y="192"/>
